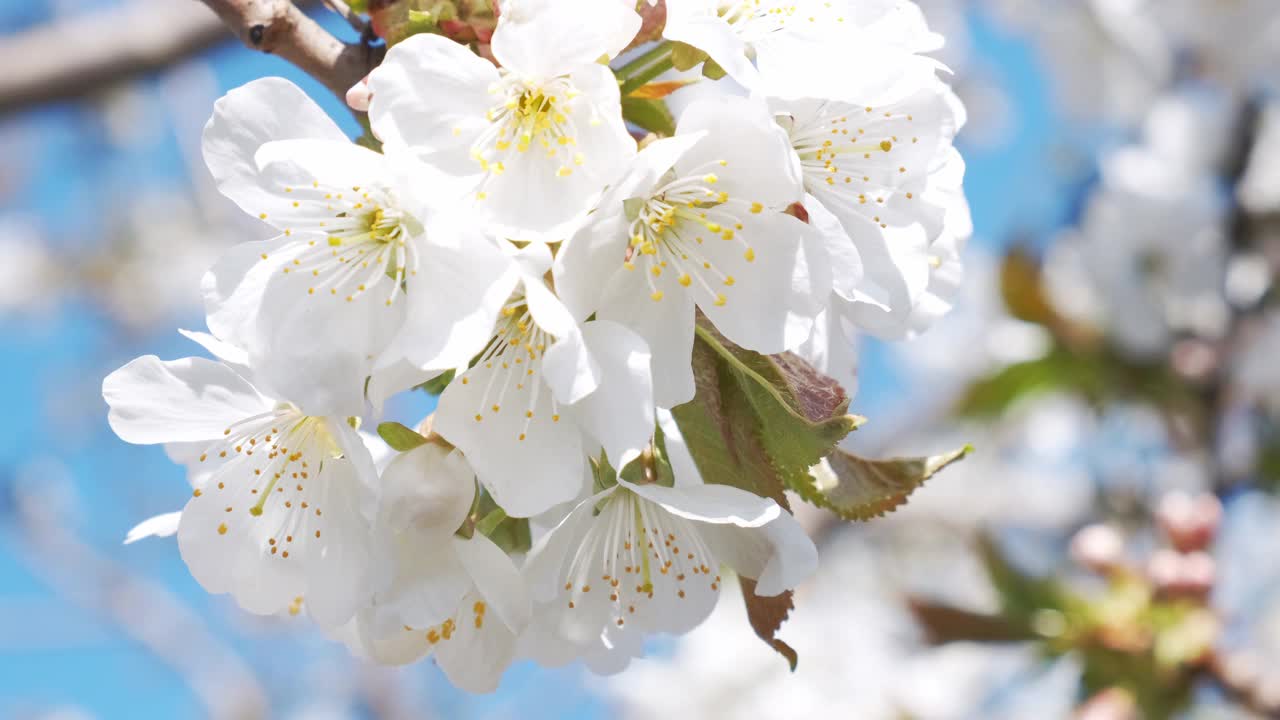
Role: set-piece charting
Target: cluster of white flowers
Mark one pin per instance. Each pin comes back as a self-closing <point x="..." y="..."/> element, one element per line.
<point x="512" y="231"/>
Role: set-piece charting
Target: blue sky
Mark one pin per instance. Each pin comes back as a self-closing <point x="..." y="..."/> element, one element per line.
<point x="61" y="171"/>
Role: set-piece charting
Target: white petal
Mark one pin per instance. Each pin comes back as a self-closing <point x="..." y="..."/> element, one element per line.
<point x="158" y="526"/>
<point x="548" y="312"/>
<point x="591" y="254"/>
<point x="524" y="452"/>
<point x="683" y="466"/>
<point x="700" y="27"/>
<point x="768" y="303"/>
<point x="710" y="503"/>
<point x="570" y="370"/>
<point x="545" y="38"/>
<point x="312" y="347"/>
<point x="479" y="650"/>
<point x="338" y="572"/>
<point x="454" y="300"/>
<point x="619" y="413"/>
<point x="666" y="326"/>
<point x="778" y="556"/>
<point x="243" y="121"/>
<point x="745" y="148"/>
<point x="429" y="582"/>
<point x="497" y="580"/>
<point x="226" y="352"/>
<point x="186" y="400"/>
<point x="426" y="88"/>
<point x="542" y="192"/>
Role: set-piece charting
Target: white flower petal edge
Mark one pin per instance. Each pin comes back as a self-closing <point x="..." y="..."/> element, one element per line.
<point x="884" y="191"/>
<point x="638" y="560"/>
<point x="813" y="43"/>
<point x="281" y="518"/>
<point x="525" y="413"/>
<point x="699" y="220"/>
<point x="461" y="599"/>
<point x="535" y="144"/>
<point x="542" y="37"/>
<point x="157" y="526"/>
<point x="315" y="307"/>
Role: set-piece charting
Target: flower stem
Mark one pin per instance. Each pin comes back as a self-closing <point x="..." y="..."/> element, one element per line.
<point x="645" y="68"/>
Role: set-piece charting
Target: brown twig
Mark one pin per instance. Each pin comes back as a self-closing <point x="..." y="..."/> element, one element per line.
<point x="74" y="57"/>
<point x="280" y="28"/>
<point x="352" y="17"/>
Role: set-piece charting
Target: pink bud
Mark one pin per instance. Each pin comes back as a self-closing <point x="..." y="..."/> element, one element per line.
<point x="1190" y="575"/>
<point x="359" y="95"/>
<point x="1099" y="548"/>
<point x="1189" y="522"/>
<point x="1110" y="704"/>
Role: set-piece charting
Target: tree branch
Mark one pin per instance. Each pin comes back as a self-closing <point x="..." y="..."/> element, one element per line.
<point x="280" y="28"/>
<point x="72" y="58"/>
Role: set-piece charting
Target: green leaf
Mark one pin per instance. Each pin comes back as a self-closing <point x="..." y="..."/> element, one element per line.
<point x="1022" y="595"/>
<point x="437" y="384"/>
<point x="757" y="422"/>
<point x="510" y="534"/>
<point x="1059" y="370"/>
<point x="399" y="437"/>
<point x="859" y="489"/>
<point x="651" y="115"/>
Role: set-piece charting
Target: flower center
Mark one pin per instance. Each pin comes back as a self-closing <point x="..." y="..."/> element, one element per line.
<point x="839" y="155"/>
<point x="272" y="461"/>
<point x="637" y="549"/>
<point x="753" y="20"/>
<point x="367" y="246"/>
<point x="530" y="118"/>
<point x="514" y="357"/>
<point x="670" y="232"/>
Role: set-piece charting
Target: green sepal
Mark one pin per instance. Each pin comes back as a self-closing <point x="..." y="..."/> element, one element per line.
<point x="685" y="56"/>
<point x="437" y="384"/>
<point x="399" y="437"/>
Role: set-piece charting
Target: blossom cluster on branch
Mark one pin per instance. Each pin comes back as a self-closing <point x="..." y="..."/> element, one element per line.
<point x="630" y="316"/>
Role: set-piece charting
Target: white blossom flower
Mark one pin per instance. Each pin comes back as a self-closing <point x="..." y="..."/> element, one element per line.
<point x="699" y="221"/>
<point x="279" y="519"/>
<point x="1235" y="41"/>
<point x="359" y="258"/>
<point x="883" y="187"/>
<point x="462" y="600"/>
<point x="539" y="137"/>
<point x="636" y="560"/>
<point x="1149" y="260"/>
<point x="546" y="393"/>
<point x="797" y="37"/>
<point x="1107" y="59"/>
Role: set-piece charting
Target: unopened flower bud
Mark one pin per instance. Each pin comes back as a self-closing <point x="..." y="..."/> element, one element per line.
<point x="1190" y="522"/>
<point x="1099" y="548"/>
<point x="359" y="95"/>
<point x="1190" y="575"/>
